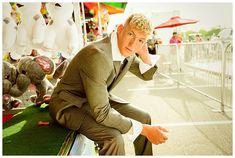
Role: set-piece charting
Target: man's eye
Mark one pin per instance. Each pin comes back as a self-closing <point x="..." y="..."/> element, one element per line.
<point x="141" y="41"/>
<point x="130" y="33"/>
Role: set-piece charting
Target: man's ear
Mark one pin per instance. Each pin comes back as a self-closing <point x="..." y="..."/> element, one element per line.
<point x="120" y="28"/>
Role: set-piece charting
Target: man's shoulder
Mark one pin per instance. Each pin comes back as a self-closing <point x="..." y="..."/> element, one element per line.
<point x="99" y="48"/>
<point x="99" y="44"/>
<point x="103" y="43"/>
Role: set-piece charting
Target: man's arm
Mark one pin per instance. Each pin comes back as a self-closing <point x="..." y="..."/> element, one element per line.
<point x="144" y="55"/>
<point x="153" y="133"/>
<point x="95" y="70"/>
<point x="144" y="60"/>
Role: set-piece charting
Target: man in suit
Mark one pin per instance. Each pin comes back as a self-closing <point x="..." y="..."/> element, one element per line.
<point x="82" y="100"/>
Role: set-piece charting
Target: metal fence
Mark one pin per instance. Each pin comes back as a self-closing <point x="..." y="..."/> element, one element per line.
<point x="205" y="67"/>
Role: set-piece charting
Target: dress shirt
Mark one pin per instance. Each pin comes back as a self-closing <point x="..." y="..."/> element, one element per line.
<point x="137" y="127"/>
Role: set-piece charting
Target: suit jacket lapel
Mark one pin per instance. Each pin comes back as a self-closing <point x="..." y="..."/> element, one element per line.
<point x="116" y="65"/>
<point x="122" y="72"/>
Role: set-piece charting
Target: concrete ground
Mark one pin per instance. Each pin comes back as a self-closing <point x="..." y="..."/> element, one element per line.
<point x="195" y="126"/>
<point x="194" y="123"/>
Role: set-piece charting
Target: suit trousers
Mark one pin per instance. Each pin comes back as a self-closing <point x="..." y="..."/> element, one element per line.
<point x="109" y="139"/>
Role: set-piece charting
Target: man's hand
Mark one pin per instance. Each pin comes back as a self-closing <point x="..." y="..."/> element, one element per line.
<point x="144" y="54"/>
<point x="154" y="134"/>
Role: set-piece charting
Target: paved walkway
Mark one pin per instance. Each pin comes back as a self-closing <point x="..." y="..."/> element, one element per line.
<point x="195" y="128"/>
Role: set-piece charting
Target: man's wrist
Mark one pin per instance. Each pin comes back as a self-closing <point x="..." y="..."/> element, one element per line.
<point x="143" y="132"/>
<point x="135" y="130"/>
<point x="155" y="66"/>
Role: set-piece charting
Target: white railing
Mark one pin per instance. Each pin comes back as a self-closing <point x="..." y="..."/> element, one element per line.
<point x="205" y="67"/>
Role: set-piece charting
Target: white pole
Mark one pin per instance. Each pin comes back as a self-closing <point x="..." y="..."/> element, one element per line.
<point x="99" y="20"/>
<point x="84" y="27"/>
<point x="78" y="23"/>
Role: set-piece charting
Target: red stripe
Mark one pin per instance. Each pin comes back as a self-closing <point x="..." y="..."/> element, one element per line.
<point x="6" y="118"/>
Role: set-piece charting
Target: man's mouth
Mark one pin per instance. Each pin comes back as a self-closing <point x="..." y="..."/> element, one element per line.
<point x="128" y="49"/>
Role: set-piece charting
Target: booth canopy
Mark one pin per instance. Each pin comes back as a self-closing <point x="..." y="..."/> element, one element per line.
<point x="111" y="7"/>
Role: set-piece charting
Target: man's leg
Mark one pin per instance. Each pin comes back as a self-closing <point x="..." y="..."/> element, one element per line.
<point x="141" y="144"/>
<point x="110" y="140"/>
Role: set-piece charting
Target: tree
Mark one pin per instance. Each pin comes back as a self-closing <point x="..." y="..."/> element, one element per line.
<point x="213" y="31"/>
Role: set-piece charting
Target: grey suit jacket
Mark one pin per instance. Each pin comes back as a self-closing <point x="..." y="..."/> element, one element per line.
<point x="89" y="78"/>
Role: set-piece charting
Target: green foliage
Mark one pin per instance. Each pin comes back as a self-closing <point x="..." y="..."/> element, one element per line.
<point x="203" y="33"/>
<point x="189" y="32"/>
<point x="213" y="31"/>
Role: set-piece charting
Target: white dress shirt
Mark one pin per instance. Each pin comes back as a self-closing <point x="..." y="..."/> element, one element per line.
<point x="137" y="127"/>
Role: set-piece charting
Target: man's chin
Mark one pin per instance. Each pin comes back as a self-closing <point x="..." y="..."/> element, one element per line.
<point x="127" y="53"/>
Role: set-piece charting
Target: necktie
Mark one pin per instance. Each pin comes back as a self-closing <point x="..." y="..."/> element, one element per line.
<point x="122" y="65"/>
<point x="117" y="65"/>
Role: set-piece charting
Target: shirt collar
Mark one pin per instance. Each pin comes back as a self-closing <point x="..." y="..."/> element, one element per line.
<point x="116" y="54"/>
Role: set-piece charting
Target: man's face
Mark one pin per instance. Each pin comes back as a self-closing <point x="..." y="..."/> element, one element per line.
<point x="130" y="40"/>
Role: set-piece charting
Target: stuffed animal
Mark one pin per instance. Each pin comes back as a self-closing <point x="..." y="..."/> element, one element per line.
<point x="13" y="86"/>
<point x="10" y="102"/>
<point x="29" y="70"/>
<point x="62" y="34"/>
<point x="31" y="30"/>
<point x="36" y="69"/>
<point x="9" y="28"/>
<point x="60" y="70"/>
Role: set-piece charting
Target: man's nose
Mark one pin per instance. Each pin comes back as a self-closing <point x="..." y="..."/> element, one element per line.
<point x="133" y="42"/>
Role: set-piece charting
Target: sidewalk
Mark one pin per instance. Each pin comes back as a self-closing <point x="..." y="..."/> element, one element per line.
<point x="194" y="127"/>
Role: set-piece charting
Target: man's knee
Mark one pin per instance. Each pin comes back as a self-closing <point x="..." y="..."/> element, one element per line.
<point x="71" y="118"/>
<point x="146" y="118"/>
<point x="117" y="139"/>
<point x="112" y="144"/>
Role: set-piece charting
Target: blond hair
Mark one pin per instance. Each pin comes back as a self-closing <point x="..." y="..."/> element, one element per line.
<point x="139" y="21"/>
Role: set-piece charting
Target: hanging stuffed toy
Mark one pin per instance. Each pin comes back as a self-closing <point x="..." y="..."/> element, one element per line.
<point x="9" y="28"/>
<point x="31" y="30"/>
<point x="61" y="34"/>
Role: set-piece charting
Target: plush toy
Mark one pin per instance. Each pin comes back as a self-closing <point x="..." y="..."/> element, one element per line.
<point x="62" y="34"/>
<point x="36" y="69"/>
<point x="9" y="28"/>
<point x="10" y="102"/>
<point x="29" y="70"/>
<point x="31" y="30"/>
<point x="60" y="70"/>
<point x="10" y="80"/>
